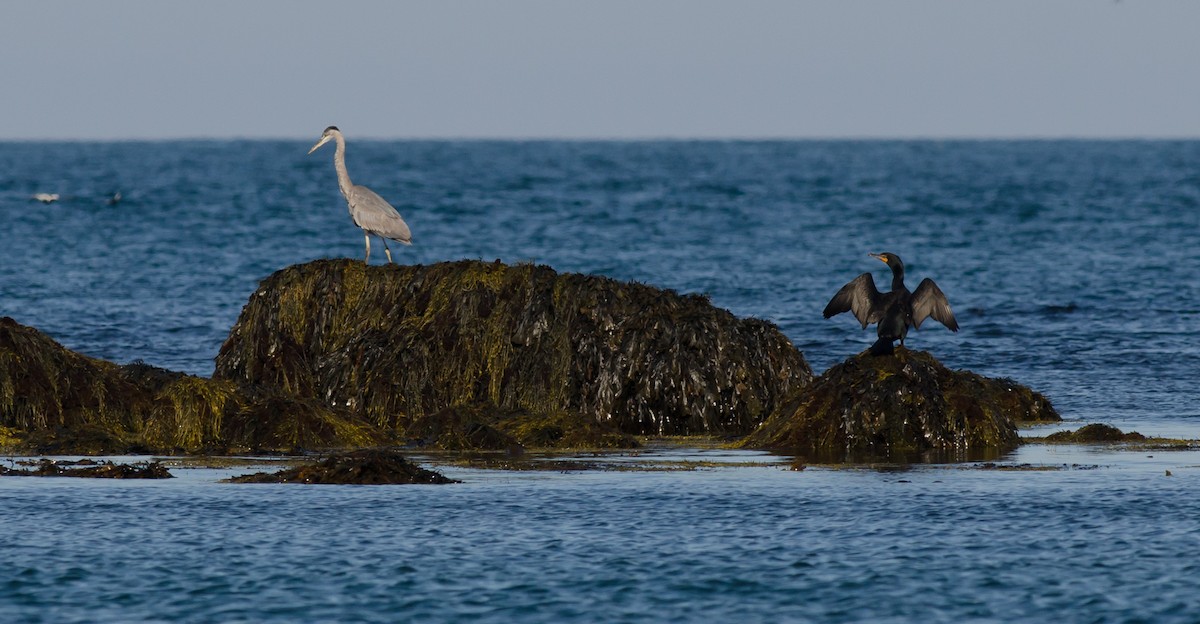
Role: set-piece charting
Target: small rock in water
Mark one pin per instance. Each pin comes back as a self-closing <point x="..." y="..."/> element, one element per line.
<point x="1096" y="432"/>
<point x="362" y="467"/>
<point x="91" y="469"/>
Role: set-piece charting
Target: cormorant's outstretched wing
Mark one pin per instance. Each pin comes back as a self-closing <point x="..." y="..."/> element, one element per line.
<point x="860" y="297"/>
<point x="929" y="300"/>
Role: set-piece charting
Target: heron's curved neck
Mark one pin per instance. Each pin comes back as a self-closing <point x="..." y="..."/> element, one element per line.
<point x="339" y="163"/>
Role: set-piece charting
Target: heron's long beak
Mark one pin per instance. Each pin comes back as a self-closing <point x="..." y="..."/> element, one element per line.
<point x="323" y="141"/>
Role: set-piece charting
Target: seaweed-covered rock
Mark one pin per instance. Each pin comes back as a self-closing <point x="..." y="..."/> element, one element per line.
<point x="361" y="467"/>
<point x="394" y="344"/>
<point x="45" y="386"/>
<point x="1096" y="432"/>
<point x="54" y="400"/>
<point x="901" y="404"/>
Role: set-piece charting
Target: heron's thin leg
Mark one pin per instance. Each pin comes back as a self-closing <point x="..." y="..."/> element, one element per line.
<point x="367" y="237"/>
<point x="386" y="250"/>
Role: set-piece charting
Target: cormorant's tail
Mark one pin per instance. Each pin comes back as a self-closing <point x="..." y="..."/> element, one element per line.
<point x="883" y="346"/>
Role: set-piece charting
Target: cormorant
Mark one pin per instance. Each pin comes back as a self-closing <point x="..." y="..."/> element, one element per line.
<point x="894" y="311"/>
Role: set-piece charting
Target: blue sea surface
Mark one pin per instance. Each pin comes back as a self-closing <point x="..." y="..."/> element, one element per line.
<point x="1073" y="268"/>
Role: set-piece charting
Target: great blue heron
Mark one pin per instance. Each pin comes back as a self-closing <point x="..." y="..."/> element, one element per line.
<point x="370" y="212"/>
<point x="894" y="311"/>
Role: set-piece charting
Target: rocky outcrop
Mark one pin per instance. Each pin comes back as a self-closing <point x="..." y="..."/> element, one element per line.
<point x="399" y="345"/>
<point x="898" y="405"/>
<point x="461" y="356"/>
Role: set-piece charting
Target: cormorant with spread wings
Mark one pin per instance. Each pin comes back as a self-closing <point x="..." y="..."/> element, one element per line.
<point x="894" y="311"/>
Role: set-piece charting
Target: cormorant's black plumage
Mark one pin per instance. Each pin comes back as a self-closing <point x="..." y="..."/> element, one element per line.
<point x="894" y="311"/>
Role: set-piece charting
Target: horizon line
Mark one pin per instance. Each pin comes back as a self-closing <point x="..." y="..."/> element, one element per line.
<point x="629" y="139"/>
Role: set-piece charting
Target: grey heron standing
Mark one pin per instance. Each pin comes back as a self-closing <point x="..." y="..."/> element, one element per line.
<point x="370" y="212"/>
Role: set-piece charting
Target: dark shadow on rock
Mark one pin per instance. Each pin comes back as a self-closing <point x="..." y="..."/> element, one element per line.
<point x="361" y="467"/>
<point x="85" y="439"/>
<point x="397" y="344"/>
<point x="461" y="428"/>
<point x="484" y="427"/>
<point x="906" y="406"/>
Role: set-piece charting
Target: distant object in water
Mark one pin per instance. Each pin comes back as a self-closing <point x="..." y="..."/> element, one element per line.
<point x="370" y="212"/>
<point x="46" y="198"/>
<point x="894" y="311"/>
<point x="115" y="199"/>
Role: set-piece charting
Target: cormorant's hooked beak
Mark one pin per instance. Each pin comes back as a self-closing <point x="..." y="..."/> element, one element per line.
<point x="323" y="141"/>
<point x="878" y="256"/>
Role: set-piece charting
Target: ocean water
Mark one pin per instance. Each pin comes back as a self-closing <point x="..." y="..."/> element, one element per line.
<point x="1072" y="267"/>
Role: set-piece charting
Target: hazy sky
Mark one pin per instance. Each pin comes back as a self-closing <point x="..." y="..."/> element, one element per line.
<point x="83" y="69"/>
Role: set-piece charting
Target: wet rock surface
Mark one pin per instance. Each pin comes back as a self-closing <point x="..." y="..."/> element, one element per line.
<point x="899" y="404"/>
<point x="397" y="344"/>
<point x="361" y="467"/>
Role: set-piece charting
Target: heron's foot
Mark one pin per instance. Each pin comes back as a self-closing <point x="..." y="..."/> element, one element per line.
<point x="389" y="254"/>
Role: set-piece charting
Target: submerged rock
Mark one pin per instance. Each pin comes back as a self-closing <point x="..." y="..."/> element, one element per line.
<point x="398" y="345"/>
<point x="361" y="467"/>
<point x="904" y="403"/>
<point x="54" y="400"/>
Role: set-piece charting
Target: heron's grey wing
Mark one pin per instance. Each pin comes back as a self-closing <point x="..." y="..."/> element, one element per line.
<point x="929" y="300"/>
<point x="373" y="214"/>
<point x="858" y="296"/>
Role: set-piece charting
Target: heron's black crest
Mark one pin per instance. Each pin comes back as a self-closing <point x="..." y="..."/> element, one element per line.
<point x="332" y="128"/>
